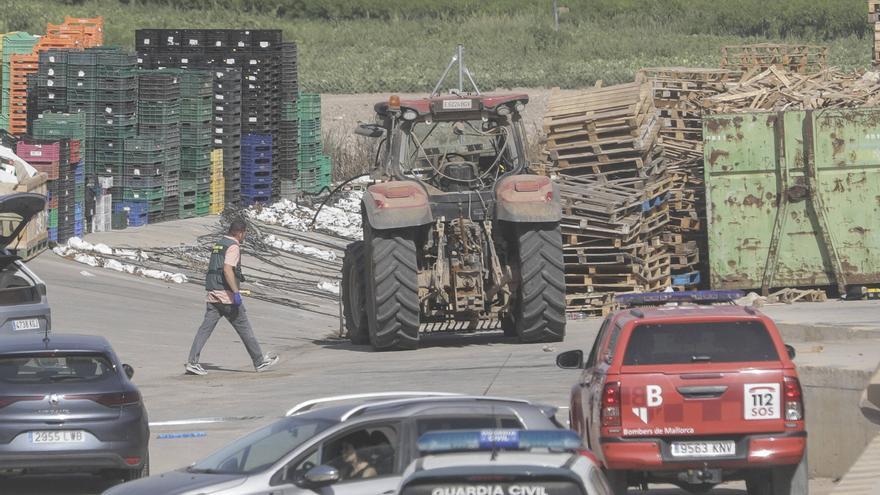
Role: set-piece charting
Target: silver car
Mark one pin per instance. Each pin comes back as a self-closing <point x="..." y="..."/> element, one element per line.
<point x="23" y="304"/>
<point x="324" y="446"/>
<point x="67" y="404"/>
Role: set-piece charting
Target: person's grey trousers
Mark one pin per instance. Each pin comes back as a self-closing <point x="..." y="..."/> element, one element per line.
<point x="237" y="316"/>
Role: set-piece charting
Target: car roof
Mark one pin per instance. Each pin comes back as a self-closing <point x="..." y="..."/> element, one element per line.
<point x="686" y="311"/>
<point x="412" y="406"/>
<point x="35" y="342"/>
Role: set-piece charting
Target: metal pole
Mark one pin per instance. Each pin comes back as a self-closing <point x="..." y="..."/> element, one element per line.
<point x="443" y="77"/>
<point x="555" y="15"/>
<point x="460" y="68"/>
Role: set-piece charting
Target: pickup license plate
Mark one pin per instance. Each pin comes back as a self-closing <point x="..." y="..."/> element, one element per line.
<point x="724" y="448"/>
<point x="61" y="436"/>
<point x="29" y="324"/>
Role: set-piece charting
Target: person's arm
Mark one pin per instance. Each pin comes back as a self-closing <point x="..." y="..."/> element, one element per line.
<point x="229" y="274"/>
<point x="370" y="472"/>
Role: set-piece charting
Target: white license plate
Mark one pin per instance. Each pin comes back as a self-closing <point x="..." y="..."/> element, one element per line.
<point x="61" y="436"/>
<point x="457" y="104"/>
<point x="704" y="449"/>
<point x="31" y="324"/>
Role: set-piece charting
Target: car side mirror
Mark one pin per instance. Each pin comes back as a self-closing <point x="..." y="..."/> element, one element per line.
<point x="321" y="476"/>
<point x="791" y="353"/>
<point x="571" y="360"/>
<point x="129" y="371"/>
<point x="369" y="130"/>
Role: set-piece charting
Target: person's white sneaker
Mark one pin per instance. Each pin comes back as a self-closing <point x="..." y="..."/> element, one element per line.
<point x="268" y="362"/>
<point x="195" y="369"/>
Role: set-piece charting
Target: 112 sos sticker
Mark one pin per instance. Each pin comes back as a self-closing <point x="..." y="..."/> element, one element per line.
<point x="761" y="401"/>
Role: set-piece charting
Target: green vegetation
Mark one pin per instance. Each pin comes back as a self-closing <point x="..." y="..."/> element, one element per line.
<point x="393" y="45"/>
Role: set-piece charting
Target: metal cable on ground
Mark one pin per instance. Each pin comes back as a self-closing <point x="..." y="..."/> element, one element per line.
<point x="334" y="191"/>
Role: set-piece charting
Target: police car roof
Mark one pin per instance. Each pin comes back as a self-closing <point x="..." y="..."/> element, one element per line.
<point x="414" y="406"/>
<point x="687" y="311"/>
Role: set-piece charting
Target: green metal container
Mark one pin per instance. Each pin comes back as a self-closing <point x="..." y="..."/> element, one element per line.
<point x="793" y="198"/>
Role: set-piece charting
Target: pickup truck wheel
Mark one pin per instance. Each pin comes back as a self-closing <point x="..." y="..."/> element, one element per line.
<point x="791" y="480"/>
<point x="759" y="483"/>
<point x="354" y="294"/>
<point x="539" y="311"/>
<point x="617" y="481"/>
<point x="392" y="289"/>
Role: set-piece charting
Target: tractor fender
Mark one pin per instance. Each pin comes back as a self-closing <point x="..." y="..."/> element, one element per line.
<point x="527" y="198"/>
<point x="397" y="204"/>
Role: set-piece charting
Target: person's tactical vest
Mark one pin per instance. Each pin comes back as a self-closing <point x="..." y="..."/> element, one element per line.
<point x="215" y="279"/>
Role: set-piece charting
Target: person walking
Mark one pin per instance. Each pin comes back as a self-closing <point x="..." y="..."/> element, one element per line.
<point x="224" y="300"/>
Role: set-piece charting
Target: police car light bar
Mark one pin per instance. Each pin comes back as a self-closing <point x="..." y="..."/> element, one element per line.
<point x="479" y="440"/>
<point x="693" y="296"/>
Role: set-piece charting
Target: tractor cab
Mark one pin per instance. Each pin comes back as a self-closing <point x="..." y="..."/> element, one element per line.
<point x="451" y="143"/>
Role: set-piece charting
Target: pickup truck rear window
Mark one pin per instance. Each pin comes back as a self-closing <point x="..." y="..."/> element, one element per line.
<point x="694" y="343"/>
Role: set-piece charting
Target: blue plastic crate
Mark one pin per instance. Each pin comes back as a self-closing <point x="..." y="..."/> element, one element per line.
<point x="251" y="168"/>
<point x="132" y="207"/>
<point x="252" y="140"/>
<point x="250" y="200"/>
<point x="53" y="234"/>
<point x="691" y="278"/>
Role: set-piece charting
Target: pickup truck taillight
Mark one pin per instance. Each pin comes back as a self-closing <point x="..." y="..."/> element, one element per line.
<point x="611" y="404"/>
<point x="794" y="399"/>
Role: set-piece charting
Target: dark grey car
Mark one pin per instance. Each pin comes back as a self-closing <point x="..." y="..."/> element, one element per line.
<point x="67" y="404"/>
<point x="24" y="307"/>
<point x="326" y="448"/>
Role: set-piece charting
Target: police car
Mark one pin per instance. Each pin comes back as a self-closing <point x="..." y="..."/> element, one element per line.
<point x="503" y="462"/>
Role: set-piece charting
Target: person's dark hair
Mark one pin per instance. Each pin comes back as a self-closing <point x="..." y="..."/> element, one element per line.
<point x="237" y="227"/>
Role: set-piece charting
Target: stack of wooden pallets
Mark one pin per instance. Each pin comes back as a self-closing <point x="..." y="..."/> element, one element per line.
<point x="604" y="131"/>
<point x="615" y="192"/>
<point x="751" y="59"/>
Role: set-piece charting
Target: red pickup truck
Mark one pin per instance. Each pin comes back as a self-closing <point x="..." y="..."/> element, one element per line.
<point x="694" y="396"/>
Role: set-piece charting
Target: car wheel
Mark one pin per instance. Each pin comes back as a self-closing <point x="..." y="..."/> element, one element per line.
<point x="617" y="481"/>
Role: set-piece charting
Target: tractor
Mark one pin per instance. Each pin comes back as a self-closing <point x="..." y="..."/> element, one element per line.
<point x="458" y="234"/>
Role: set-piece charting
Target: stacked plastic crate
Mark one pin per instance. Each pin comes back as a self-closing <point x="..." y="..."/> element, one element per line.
<point x="227" y="130"/>
<point x="20" y="66"/>
<point x="101" y="84"/>
<point x="143" y="180"/>
<point x="217" y="182"/>
<point x="313" y="167"/>
<point x="256" y="169"/>
<point x="286" y="143"/>
<point x="261" y="91"/>
<point x="60" y="162"/>
<point x="13" y="44"/>
<point x="196" y="141"/>
<point x="159" y="120"/>
<point x="51" y="90"/>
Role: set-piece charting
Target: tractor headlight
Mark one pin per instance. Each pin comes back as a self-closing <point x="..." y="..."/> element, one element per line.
<point x="410" y="115"/>
<point x="520" y="107"/>
<point x="503" y="110"/>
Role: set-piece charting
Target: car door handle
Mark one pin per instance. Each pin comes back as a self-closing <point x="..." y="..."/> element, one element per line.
<point x="702" y="392"/>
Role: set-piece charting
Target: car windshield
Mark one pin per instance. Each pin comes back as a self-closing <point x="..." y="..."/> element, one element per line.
<point x="42" y="368"/>
<point x="712" y="342"/>
<point x="262" y="448"/>
<point x="487" y="147"/>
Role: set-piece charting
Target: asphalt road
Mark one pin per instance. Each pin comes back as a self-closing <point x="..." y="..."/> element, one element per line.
<point x="151" y="325"/>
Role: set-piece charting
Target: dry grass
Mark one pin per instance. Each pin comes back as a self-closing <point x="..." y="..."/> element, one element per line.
<point x="352" y="155"/>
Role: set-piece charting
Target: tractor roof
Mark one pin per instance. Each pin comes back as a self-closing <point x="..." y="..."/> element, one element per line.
<point x="435" y="105"/>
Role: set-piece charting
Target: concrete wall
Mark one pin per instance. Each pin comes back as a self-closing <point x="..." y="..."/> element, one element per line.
<point x="838" y="430"/>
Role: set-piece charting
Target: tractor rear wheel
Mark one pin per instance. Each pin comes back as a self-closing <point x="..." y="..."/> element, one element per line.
<point x="392" y="289"/>
<point x="539" y="303"/>
<point x="354" y="294"/>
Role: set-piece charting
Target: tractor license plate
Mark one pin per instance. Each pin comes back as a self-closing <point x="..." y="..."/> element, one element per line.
<point x="29" y="324"/>
<point x="704" y="449"/>
<point x="62" y="436"/>
<point x="458" y="104"/>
